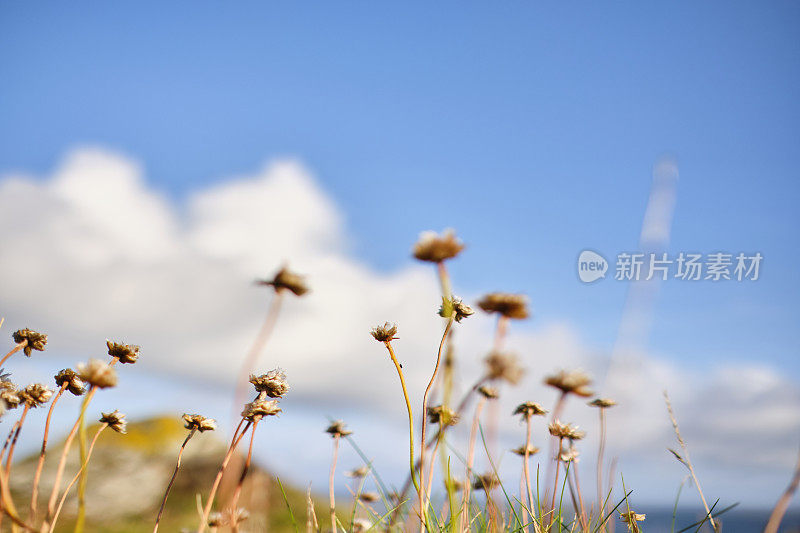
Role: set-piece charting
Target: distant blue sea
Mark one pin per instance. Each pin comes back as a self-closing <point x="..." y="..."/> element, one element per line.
<point x="733" y="521"/>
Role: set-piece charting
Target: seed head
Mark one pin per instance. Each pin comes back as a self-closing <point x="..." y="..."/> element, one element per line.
<point x="571" y="382"/>
<point x="199" y="423"/>
<point x="532" y="450"/>
<point x="529" y="409"/>
<point x="97" y="373"/>
<point x="361" y="525"/>
<point x="565" y="431"/>
<point x="631" y="519"/>
<point x="508" y="305"/>
<point x="285" y="279"/>
<point x="603" y="403"/>
<point x="384" y="333"/>
<point x="239" y="515"/>
<point x="115" y="421"/>
<point x="9" y="395"/>
<point x="35" y="394"/>
<point x="260" y="408"/>
<point x="456" y="308"/>
<point x="437" y="248"/>
<point x="126" y="353"/>
<point x="485" y="482"/>
<point x="358" y="473"/>
<point x="453" y="484"/>
<point x="273" y="383"/>
<point x="569" y="455"/>
<point x="442" y="415"/>
<point x="337" y="429"/>
<point x="35" y="341"/>
<point x="504" y="366"/>
<point x="70" y="378"/>
<point x="217" y="519"/>
<point x="369" y="497"/>
<point x="490" y="393"/>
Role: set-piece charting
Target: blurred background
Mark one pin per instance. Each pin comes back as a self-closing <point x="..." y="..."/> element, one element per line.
<point x="155" y="159"/>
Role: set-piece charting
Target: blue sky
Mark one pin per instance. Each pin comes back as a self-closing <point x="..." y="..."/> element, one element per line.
<point x="532" y="128"/>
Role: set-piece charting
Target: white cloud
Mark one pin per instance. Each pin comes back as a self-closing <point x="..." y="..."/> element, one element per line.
<point x="93" y="252"/>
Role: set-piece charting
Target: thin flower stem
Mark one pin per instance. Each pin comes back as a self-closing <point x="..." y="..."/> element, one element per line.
<point x="40" y="464"/>
<point x="688" y="461"/>
<point x="51" y="505"/>
<point x="580" y="495"/>
<point x="444" y="279"/>
<point x="776" y="516"/>
<point x="77" y="476"/>
<point x="172" y="479"/>
<point x="210" y="503"/>
<point x="470" y="461"/>
<point x="555" y="482"/>
<point x="237" y="493"/>
<point x="7" y="504"/>
<point x="423" y="495"/>
<point x="410" y="425"/>
<point x="430" y="473"/>
<point x="330" y="482"/>
<point x="600" y="450"/>
<point x="527" y="468"/>
<point x="10" y="457"/>
<point x="14" y="350"/>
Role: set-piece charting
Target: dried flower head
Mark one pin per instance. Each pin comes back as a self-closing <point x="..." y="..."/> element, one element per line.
<point x="260" y="408"/>
<point x="70" y="378"/>
<point x="32" y="339"/>
<point x="115" y="421"/>
<point x="442" y="415"/>
<point x="436" y="248"/>
<point x="126" y="353"/>
<point x="453" y="484"/>
<point x="369" y="497"/>
<point x="239" y="515"/>
<point x="273" y="383"/>
<point x="569" y="455"/>
<point x="285" y="279"/>
<point x="603" y="403"/>
<point x="385" y="333"/>
<point x="217" y="519"/>
<point x="504" y="366"/>
<point x="490" y="393"/>
<point x="456" y="308"/>
<point x="97" y="373"/>
<point x="199" y="423"/>
<point x="571" y="382"/>
<point x="631" y="518"/>
<point x="358" y="473"/>
<point x="508" y="305"/>
<point x="35" y="394"/>
<point x="361" y="525"/>
<point x="565" y="431"/>
<point x="485" y="482"/>
<point x="9" y="395"/>
<point x="337" y="429"/>
<point x="529" y="409"/>
<point x="532" y="450"/>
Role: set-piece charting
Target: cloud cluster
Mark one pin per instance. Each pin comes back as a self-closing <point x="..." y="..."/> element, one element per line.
<point x="94" y="252"/>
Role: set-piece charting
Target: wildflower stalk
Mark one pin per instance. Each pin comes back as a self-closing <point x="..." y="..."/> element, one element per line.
<point x="412" y="465"/>
<point x="40" y="465"/>
<point x="526" y="467"/>
<point x="51" y="505"/>
<point x="423" y="496"/>
<point x="240" y="484"/>
<point x="330" y="482"/>
<point x="600" y="451"/>
<point x="783" y="503"/>
<point x="14" y="350"/>
<point x="172" y="479"/>
<point x="580" y="496"/>
<point x="14" y="441"/>
<point x="688" y="462"/>
<point x="76" y="477"/>
<point x="473" y="433"/>
<point x="209" y="504"/>
<point x="7" y="505"/>
<point x="555" y="482"/>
